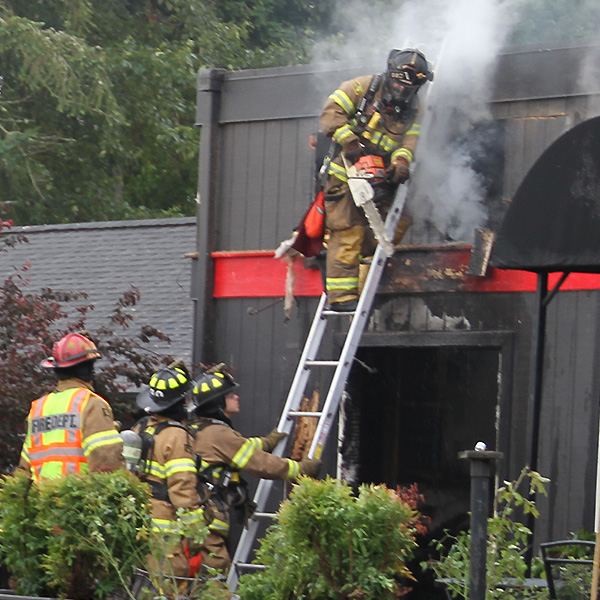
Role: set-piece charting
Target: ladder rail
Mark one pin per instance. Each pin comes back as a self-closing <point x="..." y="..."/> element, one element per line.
<point x="313" y="343"/>
<point x="263" y="489"/>
<point x="336" y="388"/>
<point x="363" y="310"/>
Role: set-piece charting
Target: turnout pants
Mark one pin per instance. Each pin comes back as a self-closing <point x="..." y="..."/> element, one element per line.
<point x="349" y="239"/>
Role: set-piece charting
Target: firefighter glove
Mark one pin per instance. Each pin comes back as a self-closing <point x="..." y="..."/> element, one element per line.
<point x="353" y="151"/>
<point x="398" y="171"/>
<point x="310" y="466"/>
<point x="270" y="441"/>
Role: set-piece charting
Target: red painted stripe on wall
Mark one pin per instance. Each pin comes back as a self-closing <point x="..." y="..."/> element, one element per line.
<point x="257" y="274"/>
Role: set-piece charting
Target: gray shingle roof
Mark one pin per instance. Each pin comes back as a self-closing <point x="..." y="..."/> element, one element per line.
<point x="105" y="259"/>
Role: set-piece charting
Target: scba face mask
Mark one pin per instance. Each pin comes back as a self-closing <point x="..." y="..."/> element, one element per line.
<point x="407" y="71"/>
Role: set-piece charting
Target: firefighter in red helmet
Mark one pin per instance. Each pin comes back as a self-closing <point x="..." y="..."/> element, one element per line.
<point x="223" y="452"/>
<point x="368" y="116"/>
<point x="71" y="429"/>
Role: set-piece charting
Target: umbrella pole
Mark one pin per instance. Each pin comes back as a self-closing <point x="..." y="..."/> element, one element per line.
<point x="596" y="566"/>
<point x="538" y="371"/>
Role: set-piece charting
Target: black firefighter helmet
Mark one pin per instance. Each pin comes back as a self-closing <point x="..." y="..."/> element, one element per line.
<point x="210" y="390"/>
<point x="166" y="388"/>
<point x="407" y="71"/>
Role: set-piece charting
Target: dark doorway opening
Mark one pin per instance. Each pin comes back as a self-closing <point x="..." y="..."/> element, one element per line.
<point x="410" y="411"/>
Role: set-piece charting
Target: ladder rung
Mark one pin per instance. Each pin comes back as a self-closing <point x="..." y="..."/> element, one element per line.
<point x="322" y="363"/>
<point x="251" y="566"/>
<point x="302" y="413"/>
<point x="346" y="313"/>
<point x="263" y="515"/>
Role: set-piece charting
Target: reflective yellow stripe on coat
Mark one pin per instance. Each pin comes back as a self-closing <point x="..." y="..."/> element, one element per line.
<point x="54" y="439"/>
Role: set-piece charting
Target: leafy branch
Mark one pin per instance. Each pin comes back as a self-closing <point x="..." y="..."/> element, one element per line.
<point x="507" y="543"/>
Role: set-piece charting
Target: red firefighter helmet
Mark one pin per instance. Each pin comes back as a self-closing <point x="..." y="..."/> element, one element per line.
<point x="72" y="349"/>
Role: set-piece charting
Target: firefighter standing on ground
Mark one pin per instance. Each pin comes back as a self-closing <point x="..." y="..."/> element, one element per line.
<point x="168" y="465"/>
<point x="71" y="430"/>
<point x="223" y="452"/>
<point x="376" y="115"/>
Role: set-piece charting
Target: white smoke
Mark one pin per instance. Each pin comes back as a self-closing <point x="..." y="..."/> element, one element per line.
<point x="449" y="198"/>
<point x="462" y="39"/>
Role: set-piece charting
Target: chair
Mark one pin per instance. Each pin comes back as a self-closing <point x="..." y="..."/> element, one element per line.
<point x="568" y="565"/>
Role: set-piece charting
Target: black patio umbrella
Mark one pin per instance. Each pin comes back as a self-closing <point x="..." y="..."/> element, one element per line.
<point x="553" y="225"/>
<point x="553" y="221"/>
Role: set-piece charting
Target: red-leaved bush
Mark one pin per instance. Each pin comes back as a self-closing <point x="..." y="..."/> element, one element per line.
<point x="30" y="323"/>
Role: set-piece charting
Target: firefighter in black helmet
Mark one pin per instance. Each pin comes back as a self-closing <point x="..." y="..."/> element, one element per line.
<point x="377" y="115"/>
<point x="223" y="452"/>
<point x="168" y="464"/>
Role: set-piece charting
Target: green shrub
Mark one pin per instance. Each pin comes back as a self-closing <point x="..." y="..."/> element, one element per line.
<point x="330" y="544"/>
<point x="80" y="536"/>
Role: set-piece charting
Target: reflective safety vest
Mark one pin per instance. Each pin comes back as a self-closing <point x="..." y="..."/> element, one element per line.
<point x="54" y="441"/>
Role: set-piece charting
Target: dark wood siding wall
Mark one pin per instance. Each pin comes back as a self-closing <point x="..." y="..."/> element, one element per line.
<point x="260" y="187"/>
<point x="531" y="126"/>
<point x="569" y="422"/>
<point x="264" y="182"/>
<point x="569" y="425"/>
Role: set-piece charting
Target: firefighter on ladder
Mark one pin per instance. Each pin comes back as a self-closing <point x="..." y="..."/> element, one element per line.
<point x="369" y="117"/>
<point x="71" y="429"/>
<point x="222" y="453"/>
<point x="168" y="465"/>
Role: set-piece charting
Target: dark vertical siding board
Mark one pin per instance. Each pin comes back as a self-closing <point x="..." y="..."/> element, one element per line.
<point x="266" y="182"/>
<point x="225" y="182"/>
<point x="533" y="134"/>
<point x="286" y="179"/>
<point x="512" y="157"/>
<point x="289" y="174"/>
<point x="556" y="420"/>
<point x="233" y="194"/>
<point x="306" y="161"/>
<point x="555" y="127"/>
<point x="273" y="167"/>
<point x="258" y="215"/>
<point x="585" y="412"/>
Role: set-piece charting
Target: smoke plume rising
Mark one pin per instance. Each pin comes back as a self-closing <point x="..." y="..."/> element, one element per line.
<point x="461" y="39"/>
<point x="448" y="199"/>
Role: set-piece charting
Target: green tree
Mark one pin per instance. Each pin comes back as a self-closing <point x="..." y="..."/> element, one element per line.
<point x="98" y="100"/>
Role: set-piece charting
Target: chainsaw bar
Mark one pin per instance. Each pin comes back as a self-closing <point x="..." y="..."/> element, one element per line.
<point x="363" y="194"/>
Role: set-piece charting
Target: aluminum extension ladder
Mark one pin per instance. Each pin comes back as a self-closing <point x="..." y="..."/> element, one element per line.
<point x="338" y="383"/>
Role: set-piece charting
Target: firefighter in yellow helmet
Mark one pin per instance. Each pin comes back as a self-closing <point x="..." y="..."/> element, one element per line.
<point x="371" y="118"/>
<point x="71" y="429"/>
<point x="168" y="465"/>
<point x="222" y="453"/>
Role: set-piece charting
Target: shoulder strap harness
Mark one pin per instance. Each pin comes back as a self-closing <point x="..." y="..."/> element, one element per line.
<point x="361" y="117"/>
<point x="159" y="489"/>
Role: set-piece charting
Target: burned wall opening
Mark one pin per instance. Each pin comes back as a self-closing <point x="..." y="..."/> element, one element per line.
<point x="410" y="411"/>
